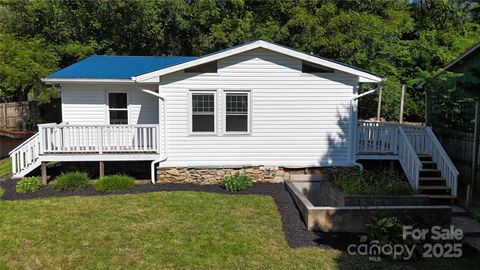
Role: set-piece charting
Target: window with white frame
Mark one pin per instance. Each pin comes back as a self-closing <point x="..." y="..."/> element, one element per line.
<point x="118" y="108"/>
<point x="237" y="112"/>
<point x="203" y="112"/>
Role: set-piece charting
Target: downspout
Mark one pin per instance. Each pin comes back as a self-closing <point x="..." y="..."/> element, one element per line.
<point x="163" y="156"/>
<point x="370" y="92"/>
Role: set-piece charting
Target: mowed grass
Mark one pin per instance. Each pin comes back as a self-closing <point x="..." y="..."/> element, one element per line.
<point x="5" y="166"/>
<point x="176" y="230"/>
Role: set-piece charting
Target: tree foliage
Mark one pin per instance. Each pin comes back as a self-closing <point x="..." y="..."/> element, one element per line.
<point x="403" y="40"/>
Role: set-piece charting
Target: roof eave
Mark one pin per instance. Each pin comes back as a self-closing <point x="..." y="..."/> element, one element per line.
<point x="363" y="76"/>
<point x="84" y="80"/>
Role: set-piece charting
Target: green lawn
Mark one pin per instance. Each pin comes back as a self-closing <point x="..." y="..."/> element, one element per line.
<point x="5" y="166"/>
<point x="165" y="230"/>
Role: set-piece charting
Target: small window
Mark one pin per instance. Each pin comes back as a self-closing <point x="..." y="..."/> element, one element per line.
<point x="203" y="112"/>
<point x="236" y="115"/>
<point x="118" y="108"/>
<point x="210" y="67"/>
<point x="312" y="68"/>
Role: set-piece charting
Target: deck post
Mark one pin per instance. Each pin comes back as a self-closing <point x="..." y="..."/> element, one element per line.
<point x="476" y="135"/>
<point x="379" y="106"/>
<point x="101" y="169"/>
<point x="43" y="169"/>
<point x="402" y="100"/>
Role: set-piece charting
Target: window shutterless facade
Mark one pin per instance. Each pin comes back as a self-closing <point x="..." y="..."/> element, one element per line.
<point x="203" y="116"/>
<point x="237" y="112"/>
<point x="118" y="108"/>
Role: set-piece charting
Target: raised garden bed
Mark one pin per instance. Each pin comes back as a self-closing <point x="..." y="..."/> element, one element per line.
<point x="325" y="207"/>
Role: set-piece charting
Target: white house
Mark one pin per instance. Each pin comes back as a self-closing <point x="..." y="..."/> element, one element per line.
<point x="257" y="105"/>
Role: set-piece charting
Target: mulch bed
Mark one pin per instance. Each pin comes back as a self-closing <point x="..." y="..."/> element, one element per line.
<point x="294" y="229"/>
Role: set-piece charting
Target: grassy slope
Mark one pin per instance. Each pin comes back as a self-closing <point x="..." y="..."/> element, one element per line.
<point x="164" y="230"/>
<point x="5" y="166"/>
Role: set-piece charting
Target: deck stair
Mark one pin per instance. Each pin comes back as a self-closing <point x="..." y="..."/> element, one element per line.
<point x="426" y="164"/>
<point x="432" y="183"/>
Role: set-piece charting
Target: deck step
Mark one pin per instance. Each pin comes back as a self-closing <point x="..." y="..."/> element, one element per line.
<point x="434" y="190"/>
<point x="431" y="178"/>
<point x="428" y="162"/>
<point x="429" y="170"/>
<point x="433" y="187"/>
<point x="441" y="199"/>
<point x="441" y="196"/>
<point x="424" y="157"/>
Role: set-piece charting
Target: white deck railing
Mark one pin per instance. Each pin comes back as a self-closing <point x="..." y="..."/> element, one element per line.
<point x="408" y="158"/>
<point x="406" y="141"/>
<point x="444" y="164"/>
<point x="375" y="138"/>
<point x="26" y="155"/>
<point x="99" y="139"/>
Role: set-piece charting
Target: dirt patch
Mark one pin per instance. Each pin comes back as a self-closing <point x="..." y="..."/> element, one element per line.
<point x="294" y="229"/>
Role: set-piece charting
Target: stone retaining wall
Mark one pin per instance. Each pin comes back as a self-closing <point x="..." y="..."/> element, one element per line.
<point x="215" y="175"/>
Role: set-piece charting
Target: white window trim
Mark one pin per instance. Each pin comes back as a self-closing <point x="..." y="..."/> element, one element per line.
<point x="224" y="112"/>
<point x="215" y="112"/>
<point x="109" y="109"/>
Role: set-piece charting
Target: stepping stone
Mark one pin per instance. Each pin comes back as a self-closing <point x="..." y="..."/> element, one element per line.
<point x="470" y="226"/>
<point x="473" y="242"/>
<point x="458" y="211"/>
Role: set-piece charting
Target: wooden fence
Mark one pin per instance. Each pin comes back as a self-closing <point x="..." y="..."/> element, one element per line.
<point x="13" y="115"/>
<point x="459" y="146"/>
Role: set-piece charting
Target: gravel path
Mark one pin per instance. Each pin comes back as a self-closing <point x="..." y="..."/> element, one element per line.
<point x="295" y="230"/>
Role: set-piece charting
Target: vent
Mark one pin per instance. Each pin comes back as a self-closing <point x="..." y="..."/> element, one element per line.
<point x="312" y="68"/>
<point x="210" y="67"/>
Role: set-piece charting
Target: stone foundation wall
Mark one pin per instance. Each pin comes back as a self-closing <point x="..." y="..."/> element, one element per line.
<point x="215" y="175"/>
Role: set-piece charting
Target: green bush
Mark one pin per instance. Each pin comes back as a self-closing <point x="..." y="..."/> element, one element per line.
<point x="71" y="181"/>
<point x="375" y="182"/>
<point x="114" y="183"/>
<point x="237" y="181"/>
<point x="28" y="184"/>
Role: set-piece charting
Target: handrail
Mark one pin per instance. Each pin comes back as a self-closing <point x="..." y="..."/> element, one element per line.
<point x="408" y="158"/>
<point x="84" y="125"/>
<point x="444" y="163"/>
<point x="25" y="156"/>
<point x="99" y="139"/>
<point x="24" y="143"/>
<point x="407" y="126"/>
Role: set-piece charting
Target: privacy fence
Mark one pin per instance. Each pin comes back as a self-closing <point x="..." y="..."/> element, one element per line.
<point x="459" y="146"/>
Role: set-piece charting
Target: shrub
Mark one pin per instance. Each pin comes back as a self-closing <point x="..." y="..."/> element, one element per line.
<point x="71" y="181"/>
<point x="28" y="184"/>
<point x="114" y="183"/>
<point x="375" y="182"/>
<point x="237" y="181"/>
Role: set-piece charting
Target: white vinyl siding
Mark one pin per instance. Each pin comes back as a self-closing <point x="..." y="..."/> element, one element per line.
<point x="88" y="104"/>
<point x="296" y="119"/>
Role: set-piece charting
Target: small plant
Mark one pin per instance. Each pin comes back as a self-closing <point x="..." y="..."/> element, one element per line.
<point x="114" y="183"/>
<point x="71" y="181"/>
<point x="383" y="231"/>
<point x="28" y="184"/>
<point x="237" y="182"/>
<point x="374" y="182"/>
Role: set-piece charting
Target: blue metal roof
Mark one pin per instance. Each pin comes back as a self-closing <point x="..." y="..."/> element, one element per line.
<point x="117" y="67"/>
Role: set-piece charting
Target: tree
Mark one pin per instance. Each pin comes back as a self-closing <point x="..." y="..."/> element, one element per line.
<point x="22" y="63"/>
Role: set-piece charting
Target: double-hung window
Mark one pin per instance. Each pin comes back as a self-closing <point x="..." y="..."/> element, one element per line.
<point x="118" y="108"/>
<point x="237" y="116"/>
<point x="203" y="112"/>
<point x="235" y="113"/>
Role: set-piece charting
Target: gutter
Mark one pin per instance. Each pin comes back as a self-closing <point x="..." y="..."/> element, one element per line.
<point x="163" y="156"/>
